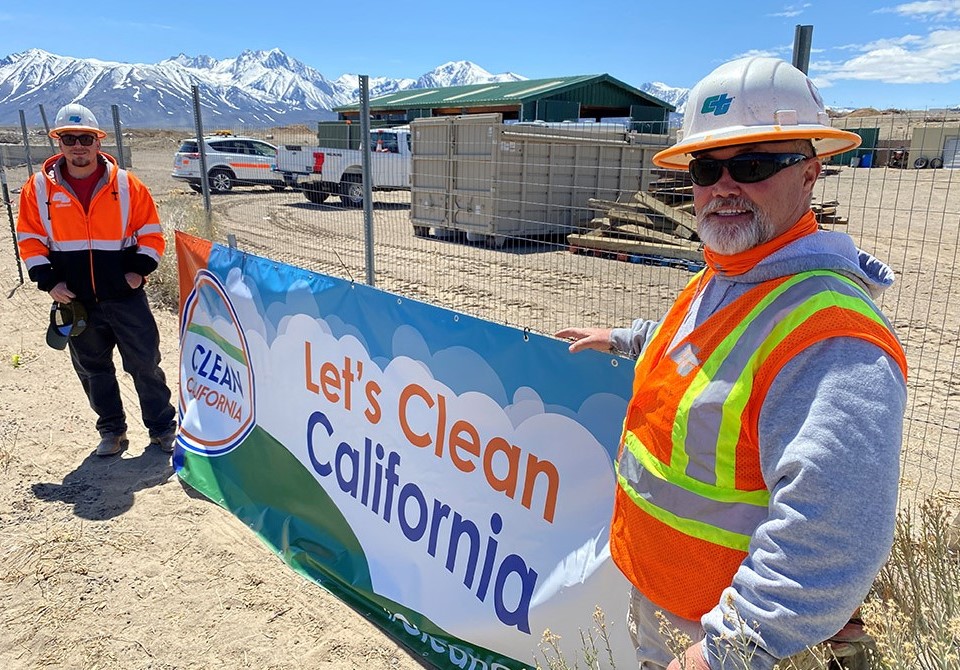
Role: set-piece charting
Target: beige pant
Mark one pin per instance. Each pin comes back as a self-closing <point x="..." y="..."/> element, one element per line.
<point x="644" y="622"/>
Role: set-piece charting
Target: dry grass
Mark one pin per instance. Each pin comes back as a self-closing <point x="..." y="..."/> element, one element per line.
<point x="914" y="611"/>
<point x="177" y="212"/>
<point x="912" y="615"/>
<point x="594" y="647"/>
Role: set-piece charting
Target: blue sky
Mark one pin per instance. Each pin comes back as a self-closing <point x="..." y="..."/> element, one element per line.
<point x="874" y="53"/>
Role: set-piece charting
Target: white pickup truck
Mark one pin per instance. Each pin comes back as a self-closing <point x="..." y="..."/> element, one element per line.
<point x="320" y="172"/>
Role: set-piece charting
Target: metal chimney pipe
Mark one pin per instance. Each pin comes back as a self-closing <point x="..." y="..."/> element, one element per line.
<point x="802" y="41"/>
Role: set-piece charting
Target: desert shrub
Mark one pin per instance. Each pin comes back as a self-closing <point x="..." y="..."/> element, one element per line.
<point x="912" y="613"/>
<point x="594" y="646"/>
<point x="177" y="212"/>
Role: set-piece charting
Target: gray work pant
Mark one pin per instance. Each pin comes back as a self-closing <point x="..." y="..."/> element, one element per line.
<point x="128" y="326"/>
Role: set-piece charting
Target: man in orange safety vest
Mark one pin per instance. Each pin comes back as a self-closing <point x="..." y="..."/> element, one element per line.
<point x="759" y="461"/>
<point x="89" y="234"/>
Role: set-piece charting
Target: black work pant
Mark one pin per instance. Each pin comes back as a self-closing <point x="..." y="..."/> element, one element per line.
<point x="128" y="325"/>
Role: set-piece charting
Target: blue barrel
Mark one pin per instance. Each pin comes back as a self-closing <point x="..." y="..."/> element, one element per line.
<point x="866" y="160"/>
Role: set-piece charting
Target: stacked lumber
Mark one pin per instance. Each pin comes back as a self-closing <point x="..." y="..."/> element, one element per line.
<point x="826" y="213"/>
<point x="656" y="226"/>
<point x="659" y="225"/>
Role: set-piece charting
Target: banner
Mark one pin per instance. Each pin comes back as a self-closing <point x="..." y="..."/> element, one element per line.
<point x="449" y="478"/>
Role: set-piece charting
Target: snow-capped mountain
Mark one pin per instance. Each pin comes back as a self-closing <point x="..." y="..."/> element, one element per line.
<point x="462" y="73"/>
<point x="256" y="88"/>
<point x="670" y="94"/>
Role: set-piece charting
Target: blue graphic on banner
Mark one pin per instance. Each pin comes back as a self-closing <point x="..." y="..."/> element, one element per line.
<point x="466" y="468"/>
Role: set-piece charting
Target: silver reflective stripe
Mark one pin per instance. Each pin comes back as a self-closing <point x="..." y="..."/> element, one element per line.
<point x="123" y="192"/>
<point x="98" y="245"/>
<point x="34" y="261"/>
<point x="40" y="192"/>
<point x="733" y="517"/>
<point x="704" y="416"/>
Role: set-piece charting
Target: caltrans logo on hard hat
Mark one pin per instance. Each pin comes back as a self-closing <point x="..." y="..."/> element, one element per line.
<point x="716" y="105"/>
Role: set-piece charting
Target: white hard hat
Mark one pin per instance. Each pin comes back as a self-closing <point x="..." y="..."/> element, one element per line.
<point x="74" y="117"/>
<point x="751" y="100"/>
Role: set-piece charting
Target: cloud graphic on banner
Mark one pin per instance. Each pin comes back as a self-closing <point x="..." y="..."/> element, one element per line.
<point x="405" y="423"/>
<point x="440" y="466"/>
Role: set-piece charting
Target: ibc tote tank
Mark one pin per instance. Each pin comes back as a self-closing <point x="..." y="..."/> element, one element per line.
<point x="492" y="181"/>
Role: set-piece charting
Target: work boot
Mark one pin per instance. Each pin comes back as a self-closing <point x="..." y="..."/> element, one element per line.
<point x="112" y="444"/>
<point x="165" y="441"/>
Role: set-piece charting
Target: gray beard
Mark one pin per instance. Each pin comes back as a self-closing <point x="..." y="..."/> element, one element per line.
<point x="728" y="239"/>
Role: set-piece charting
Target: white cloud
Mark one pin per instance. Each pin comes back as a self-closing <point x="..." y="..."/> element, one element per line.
<point x="926" y="10"/>
<point x="776" y="52"/>
<point x="791" y="11"/>
<point x="911" y="59"/>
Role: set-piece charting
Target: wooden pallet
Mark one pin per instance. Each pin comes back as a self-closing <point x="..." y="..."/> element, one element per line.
<point x="826" y="212"/>
<point x="652" y="227"/>
<point x="660" y="222"/>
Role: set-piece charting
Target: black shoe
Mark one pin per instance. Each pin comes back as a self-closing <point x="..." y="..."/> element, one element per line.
<point x="112" y="444"/>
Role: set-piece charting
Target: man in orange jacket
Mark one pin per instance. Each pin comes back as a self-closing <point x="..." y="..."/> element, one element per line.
<point x="89" y="233"/>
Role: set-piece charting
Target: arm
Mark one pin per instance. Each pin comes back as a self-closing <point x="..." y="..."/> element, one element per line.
<point x="627" y="340"/>
<point x="32" y="244"/>
<point x="145" y="224"/>
<point x="830" y="432"/>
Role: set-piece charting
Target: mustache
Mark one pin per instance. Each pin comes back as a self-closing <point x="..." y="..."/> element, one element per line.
<point x="718" y="204"/>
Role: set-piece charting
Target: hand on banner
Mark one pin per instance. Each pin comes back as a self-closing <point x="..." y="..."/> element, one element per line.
<point x="586" y="338"/>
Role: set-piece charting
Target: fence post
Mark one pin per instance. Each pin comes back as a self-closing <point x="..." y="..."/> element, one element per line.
<point x="9" y="206"/>
<point x="367" y="178"/>
<point x="115" y="111"/>
<point x="26" y="143"/>
<point x="46" y="128"/>
<point x="204" y="184"/>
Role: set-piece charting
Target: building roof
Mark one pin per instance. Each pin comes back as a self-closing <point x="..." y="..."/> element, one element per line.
<point x="500" y="93"/>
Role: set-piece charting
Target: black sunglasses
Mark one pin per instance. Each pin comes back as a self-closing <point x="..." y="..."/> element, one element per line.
<point x="743" y="169"/>
<point x="84" y="140"/>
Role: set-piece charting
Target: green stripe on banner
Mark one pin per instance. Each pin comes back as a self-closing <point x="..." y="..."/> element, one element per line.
<point x="271" y="492"/>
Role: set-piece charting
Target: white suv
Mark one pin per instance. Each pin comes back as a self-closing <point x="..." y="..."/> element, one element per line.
<point x="231" y="161"/>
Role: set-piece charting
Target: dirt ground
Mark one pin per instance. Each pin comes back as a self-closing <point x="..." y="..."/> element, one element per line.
<point x="112" y="563"/>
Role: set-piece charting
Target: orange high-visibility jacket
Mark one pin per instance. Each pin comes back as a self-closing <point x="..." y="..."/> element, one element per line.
<point x="91" y="251"/>
<point x="690" y="489"/>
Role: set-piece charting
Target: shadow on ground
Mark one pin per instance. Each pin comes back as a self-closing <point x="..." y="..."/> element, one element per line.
<point x="102" y="488"/>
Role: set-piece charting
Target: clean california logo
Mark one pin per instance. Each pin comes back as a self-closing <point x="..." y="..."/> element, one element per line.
<point x="217" y="399"/>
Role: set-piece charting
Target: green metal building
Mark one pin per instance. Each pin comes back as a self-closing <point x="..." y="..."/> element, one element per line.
<point x="597" y="97"/>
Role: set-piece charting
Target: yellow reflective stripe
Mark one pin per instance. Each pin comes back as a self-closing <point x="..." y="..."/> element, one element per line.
<point x="732" y="411"/>
<point x="691" y="527"/>
<point x="703" y="378"/>
<point x="736" y="402"/>
<point x="731" y="418"/>
<point x="656" y="467"/>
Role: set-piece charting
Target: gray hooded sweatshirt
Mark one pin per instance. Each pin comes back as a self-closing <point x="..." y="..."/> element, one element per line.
<point x="830" y="432"/>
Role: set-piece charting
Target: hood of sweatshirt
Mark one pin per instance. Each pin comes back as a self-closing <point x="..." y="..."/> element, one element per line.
<point x="823" y="250"/>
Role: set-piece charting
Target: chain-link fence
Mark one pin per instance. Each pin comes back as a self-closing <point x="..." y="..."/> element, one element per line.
<point x="544" y="226"/>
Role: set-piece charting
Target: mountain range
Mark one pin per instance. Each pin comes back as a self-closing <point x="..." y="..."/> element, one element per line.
<point x="255" y="88"/>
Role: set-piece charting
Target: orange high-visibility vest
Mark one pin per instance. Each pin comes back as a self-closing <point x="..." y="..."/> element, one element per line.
<point x="121" y="214"/>
<point x="690" y="490"/>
